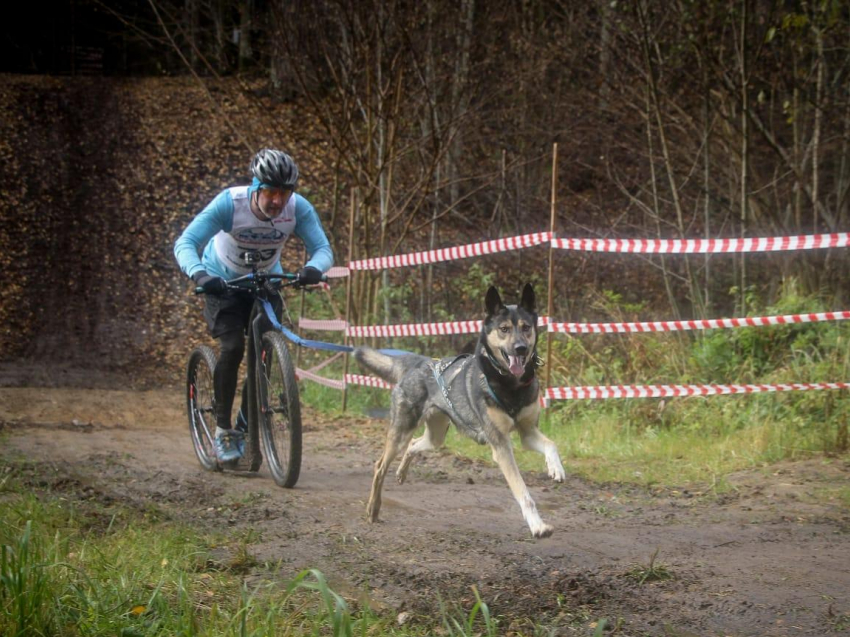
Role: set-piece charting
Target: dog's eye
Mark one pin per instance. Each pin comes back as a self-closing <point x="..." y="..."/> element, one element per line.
<point x="526" y="328"/>
<point x="505" y="329"/>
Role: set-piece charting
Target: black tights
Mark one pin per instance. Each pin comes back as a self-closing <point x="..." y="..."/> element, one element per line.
<point x="226" y="375"/>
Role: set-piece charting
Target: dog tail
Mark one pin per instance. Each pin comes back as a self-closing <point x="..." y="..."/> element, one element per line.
<point x="389" y="368"/>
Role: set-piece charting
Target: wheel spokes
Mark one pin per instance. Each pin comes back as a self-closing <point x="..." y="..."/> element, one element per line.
<point x="276" y="407"/>
<point x="200" y="408"/>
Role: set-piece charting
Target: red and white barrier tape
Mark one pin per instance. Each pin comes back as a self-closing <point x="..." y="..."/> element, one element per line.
<point x="337" y="272"/>
<point x="330" y="325"/>
<point x="674" y="326"/>
<point x="368" y="381"/>
<point x="416" y="329"/>
<point x="625" y="391"/>
<point x="469" y="327"/>
<point x="453" y="253"/>
<point x="652" y="246"/>
<point x="321" y="380"/>
<point x="424" y="329"/>
<point x="669" y="391"/>
<point x="702" y="246"/>
<point x="327" y="362"/>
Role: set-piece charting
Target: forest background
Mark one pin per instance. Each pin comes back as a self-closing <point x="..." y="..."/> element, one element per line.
<point x="435" y="123"/>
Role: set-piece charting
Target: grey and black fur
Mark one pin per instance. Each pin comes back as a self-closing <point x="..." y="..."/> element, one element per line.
<point x="486" y="395"/>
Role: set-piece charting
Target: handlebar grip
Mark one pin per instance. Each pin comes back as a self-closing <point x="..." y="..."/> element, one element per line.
<point x="295" y="281"/>
<point x="323" y="279"/>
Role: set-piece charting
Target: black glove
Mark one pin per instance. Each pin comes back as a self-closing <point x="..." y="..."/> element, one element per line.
<point x="309" y="275"/>
<point x="211" y="284"/>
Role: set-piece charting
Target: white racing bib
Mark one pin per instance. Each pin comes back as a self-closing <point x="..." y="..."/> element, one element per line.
<point x="249" y="234"/>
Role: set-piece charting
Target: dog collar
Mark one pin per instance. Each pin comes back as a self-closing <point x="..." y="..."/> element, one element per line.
<point x="494" y="362"/>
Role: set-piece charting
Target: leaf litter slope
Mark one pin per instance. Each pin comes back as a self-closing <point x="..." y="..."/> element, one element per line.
<point x="765" y="559"/>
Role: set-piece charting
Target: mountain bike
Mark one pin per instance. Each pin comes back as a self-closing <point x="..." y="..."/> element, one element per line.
<point x="270" y="388"/>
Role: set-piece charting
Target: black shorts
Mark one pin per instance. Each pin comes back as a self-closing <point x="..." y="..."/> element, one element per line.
<point x="232" y="311"/>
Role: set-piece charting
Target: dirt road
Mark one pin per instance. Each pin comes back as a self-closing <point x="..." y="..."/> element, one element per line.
<point x="763" y="560"/>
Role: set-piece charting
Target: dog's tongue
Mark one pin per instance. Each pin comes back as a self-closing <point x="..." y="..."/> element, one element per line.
<point x="516" y="366"/>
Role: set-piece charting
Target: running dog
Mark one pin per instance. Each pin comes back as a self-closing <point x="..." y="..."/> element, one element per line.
<point x="486" y="395"/>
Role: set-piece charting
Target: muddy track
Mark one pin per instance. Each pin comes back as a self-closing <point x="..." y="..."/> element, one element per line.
<point x="763" y="560"/>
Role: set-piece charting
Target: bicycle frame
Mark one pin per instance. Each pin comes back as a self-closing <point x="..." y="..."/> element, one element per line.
<point x="258" y="324"/>
<point x="268" y="362"/>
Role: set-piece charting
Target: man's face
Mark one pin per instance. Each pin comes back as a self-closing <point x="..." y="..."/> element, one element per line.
<point x="272" y="200"/>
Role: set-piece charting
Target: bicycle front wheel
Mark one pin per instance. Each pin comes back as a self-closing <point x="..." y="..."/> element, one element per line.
<point x="200" y="404"/>
<point x="280" y="410"/>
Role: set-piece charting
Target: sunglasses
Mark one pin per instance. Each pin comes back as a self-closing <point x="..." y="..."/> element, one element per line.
<point x="274" y="192"/>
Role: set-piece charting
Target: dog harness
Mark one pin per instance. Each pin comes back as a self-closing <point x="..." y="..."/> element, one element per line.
<point x="439" y="368"/>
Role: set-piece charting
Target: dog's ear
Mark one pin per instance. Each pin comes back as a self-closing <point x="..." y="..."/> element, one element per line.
<point x="528" y="300"/>
<point x="493" y="302"/>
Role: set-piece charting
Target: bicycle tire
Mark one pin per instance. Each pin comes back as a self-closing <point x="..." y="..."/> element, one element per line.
<point x="200" y="405"/>
<point x="252" y="458"/>
<point x="280" y="410"/>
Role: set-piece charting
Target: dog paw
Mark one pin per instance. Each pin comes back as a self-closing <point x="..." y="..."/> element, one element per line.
<point x="543" y="530"/>
<point x="556" y="471"/>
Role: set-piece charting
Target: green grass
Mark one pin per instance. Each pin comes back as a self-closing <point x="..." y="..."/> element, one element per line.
<point x="82" y="570"/>
<point x="709" y="439"/>
<point x="687" y="441"/>
<point x="706" y="440"/>
<point x="653" y="571"/>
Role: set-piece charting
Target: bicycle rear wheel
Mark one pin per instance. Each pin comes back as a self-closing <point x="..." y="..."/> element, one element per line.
<point x="280" y="410"/>
<point x="200" y="404"/>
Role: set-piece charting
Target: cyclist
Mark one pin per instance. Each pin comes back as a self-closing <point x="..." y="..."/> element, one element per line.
<point x="254" y="219"/>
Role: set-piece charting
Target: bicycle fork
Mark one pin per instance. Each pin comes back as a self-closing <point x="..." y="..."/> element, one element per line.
<point x="255" y="390"/>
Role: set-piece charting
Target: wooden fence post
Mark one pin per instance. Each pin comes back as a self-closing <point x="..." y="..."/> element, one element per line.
<point x="551" y="301"/>
<point x="348" y="290"/>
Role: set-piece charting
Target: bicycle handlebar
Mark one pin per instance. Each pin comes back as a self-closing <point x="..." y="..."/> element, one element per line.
<point x="261" y="277"/>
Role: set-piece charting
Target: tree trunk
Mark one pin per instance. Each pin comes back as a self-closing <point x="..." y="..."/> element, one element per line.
<point x="246" y="20"/>
<point x="458" y="105"/>
<point x="190" y="7"/>
<point x="604" y="53"/>
<point x="821" y="62"/>
<point x="745" y="151"/>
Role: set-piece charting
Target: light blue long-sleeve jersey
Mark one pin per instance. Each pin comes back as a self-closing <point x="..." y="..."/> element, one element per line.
<point x="230" y="208"/>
